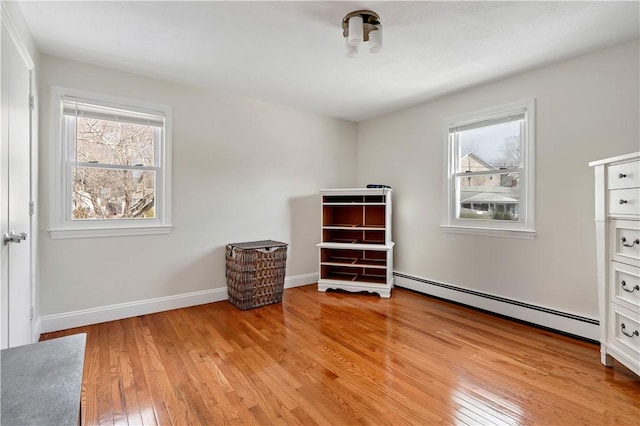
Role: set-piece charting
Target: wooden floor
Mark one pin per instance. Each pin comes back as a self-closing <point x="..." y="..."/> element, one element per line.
<point x="338" y="359"/>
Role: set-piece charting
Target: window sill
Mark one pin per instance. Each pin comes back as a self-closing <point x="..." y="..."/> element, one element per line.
<point x="523" y="234"/>
<point x="121" y="231"/>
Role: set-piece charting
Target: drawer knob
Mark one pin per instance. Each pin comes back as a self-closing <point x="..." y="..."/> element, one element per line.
<point x="623" y="201"/>
<point x="624" y="242"/>
<point x="624" y="287"/>
<point x="621" y="176"/>
<point x="624" y="327"/>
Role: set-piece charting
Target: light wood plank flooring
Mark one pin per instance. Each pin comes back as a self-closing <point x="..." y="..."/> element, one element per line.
<point x="339" y="359"/>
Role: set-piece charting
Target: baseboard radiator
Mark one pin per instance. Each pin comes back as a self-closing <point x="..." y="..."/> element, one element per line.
<point x="563" y="322"/>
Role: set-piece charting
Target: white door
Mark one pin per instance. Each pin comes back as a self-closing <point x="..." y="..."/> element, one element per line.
<point x="15" y="188"/>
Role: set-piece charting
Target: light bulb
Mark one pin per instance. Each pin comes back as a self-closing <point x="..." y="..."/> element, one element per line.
<point x="375" y="40"/>
<point x="356" y="30"/>
<point x="352" y="51"/>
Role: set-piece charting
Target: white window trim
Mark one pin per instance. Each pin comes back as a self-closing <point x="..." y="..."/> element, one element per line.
<point x="62" y="227"/>
<point x="524" y="229"/>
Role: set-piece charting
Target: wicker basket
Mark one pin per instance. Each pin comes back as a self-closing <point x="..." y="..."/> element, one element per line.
<point x="255" y="273"/>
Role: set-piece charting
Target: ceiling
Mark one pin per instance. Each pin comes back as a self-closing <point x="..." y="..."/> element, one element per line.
<point x="293" y="53"/>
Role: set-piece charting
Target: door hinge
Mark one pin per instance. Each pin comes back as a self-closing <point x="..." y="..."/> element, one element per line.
<point x="31" y="313"/>
<point x="31" y="102"/>
<point x="32" y="208"/>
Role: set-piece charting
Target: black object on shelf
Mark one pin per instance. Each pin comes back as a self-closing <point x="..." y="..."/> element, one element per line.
<point x="375" y="185"/>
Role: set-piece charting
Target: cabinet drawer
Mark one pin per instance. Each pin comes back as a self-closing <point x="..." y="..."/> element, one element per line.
<point x="624" y="331"/>
<point x="624" y="285"/>
<point x="626" y="175"/>
<point x="624" y="202"/>
<point x="625" y="242"/>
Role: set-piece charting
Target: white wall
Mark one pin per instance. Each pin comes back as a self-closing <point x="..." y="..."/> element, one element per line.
<point x="587" y="109"/>
<point x="242" y="170"/>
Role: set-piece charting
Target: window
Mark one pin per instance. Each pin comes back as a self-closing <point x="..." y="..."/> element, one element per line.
<point x="490" y="172"/>
<point x="112" y="173"/>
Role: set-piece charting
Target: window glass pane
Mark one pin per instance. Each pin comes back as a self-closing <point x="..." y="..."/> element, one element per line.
<point x="489" y="148"/>
<point x="491" y="196"/>
<point x="114" y="142"/>
<point x="100" y="193"/>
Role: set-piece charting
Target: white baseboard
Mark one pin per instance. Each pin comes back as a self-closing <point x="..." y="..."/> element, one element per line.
<point x="587" y="328"/>
<point x="100" y="314"/>
<point x="300" y="280"/>
<point x="66" y="320"/>
<point x="576" y="325"/>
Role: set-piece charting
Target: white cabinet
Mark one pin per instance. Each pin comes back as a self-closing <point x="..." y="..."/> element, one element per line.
<point x="356" y="251"/>
<point x="618" y="256"/>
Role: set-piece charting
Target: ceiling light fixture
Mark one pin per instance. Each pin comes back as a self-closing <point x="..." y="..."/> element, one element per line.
<point x="359" y="27"/>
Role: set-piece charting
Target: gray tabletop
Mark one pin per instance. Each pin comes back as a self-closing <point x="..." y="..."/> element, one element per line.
<point x="41" y="383"/>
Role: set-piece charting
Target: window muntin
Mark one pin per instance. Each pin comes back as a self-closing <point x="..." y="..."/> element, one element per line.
<point x="490" y="178"/>
<point x="113" y="176"/>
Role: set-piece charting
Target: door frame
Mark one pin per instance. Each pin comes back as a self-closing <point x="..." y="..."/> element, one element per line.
<point x="7" y="21"/>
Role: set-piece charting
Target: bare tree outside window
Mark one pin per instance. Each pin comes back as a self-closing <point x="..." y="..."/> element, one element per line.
<point x="509" y="153"/>
<point x="109" y="180"/>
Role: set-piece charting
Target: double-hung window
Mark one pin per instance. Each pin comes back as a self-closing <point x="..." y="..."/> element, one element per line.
<point x="112" y="171"/>
<point x="490" y="172"/>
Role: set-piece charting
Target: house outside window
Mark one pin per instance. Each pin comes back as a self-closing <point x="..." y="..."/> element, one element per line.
<point x="112" y="171"/>
<point x="490" y="172"/>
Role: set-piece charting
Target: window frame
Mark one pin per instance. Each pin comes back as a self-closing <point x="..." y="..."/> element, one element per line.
<point x="524" y="228"/>
<point x="61" y="223"/>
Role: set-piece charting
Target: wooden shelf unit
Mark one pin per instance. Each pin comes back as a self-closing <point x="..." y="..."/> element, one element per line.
<point x="356" y="251"/>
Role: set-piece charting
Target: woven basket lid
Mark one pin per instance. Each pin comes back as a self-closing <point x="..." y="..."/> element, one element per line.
<point x="258" y="244"/>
